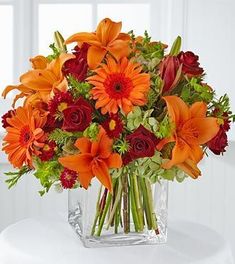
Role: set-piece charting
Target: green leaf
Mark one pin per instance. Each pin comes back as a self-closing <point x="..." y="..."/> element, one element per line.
<point x="15" y="176"/>
<point x="79" y="88"/>
<point x="55" y="52"/>
<point x="60" y="136"/>
<point x="175" y="49"/>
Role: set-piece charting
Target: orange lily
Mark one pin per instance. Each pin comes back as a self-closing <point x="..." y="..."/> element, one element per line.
<point x="191" y="129"/>
<point x="95" y="159"/>
<point x="42" y="81"/>
<point x="107" y="38"/>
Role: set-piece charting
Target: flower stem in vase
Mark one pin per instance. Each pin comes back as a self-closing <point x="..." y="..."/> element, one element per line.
<point x="126" y="225"/>
<point x="138" y="203"/>
<point x="97" y="212"/>
<point x="133" y="206"/>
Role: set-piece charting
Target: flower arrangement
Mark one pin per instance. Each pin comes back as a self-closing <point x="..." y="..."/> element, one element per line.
<point x="119" y="108"/>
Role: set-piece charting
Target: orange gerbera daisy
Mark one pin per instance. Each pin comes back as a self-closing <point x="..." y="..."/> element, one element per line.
<point x="192" y="129"/>
<point x="107" y="38"/>
<point x="95" y="159"/>
<point x="24" y="136"/>
<point x="41" y="82"/>
<point x="119" y="85"/>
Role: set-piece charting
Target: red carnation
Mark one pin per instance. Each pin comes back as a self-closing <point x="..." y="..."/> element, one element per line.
<point x="190" y="63"/>
<point x="77" y="117"/>
<point x="59" y="103"/>
<point x="142" y="144"/>
<point x="169" y="72"/>
<point x="77" y="67"/>
<point x="113" y="126"/>
<point x="48" y="151"/>
<point x="68" y="178"/>
<point x="218" y="144"/>
<point x="9" y="114"/>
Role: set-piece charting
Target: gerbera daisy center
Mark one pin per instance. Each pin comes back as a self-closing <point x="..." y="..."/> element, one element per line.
<point x="25" y="135"/>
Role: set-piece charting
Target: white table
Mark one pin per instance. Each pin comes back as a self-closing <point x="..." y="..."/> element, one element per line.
<point x="41" y="241"/>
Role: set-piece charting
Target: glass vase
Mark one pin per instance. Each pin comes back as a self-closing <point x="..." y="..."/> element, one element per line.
<point x="134" y="213"/>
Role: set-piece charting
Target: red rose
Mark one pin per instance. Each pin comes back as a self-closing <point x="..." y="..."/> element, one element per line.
<point x="218" y="144"/>
<point x="142" y="144"/>
<point x="77" y="67"/>
<point x="190" y="63"/>
<point x="9" y="114"/>
<point x="77" y="117"/>
<point x="169" y="72"/>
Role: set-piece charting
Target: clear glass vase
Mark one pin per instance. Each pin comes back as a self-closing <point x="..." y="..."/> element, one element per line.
<point x="135" y="213"/>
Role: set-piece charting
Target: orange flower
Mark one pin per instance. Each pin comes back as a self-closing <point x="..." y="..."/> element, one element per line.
<point x="95" y="159"/>
<point x="24" y="136"/>
<point x="41" y="82"/>
<point x="107" y="38"/>
<point x="119" y="85"/>
<point x="192" y="129"/>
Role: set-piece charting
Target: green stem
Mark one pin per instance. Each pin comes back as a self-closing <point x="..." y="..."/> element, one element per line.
<point x="138" y="203"/>
<point x="125" y="203"/>
<point x="101" y="223"/>
<point x="97" y="212"/>
<point x="117" y="217"/>
<point x="151" y="206"/>
<point x="145" y="203"/>
<point x="133" y="206"/>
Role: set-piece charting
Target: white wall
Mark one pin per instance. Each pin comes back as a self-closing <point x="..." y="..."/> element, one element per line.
<point x="207" y="27"/>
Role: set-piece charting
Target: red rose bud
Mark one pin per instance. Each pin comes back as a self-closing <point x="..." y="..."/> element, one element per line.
<point x="190" y="63"/>
<point x="77" y="117"/>
<point x="68" y="178"/>
<point x="218" y="144"/>
<point x="77" y="67"/>
<point x="9" y="114"/>
<point x="142" y="143"/>
<point x="170" y="72"/>
<point x="48" y="151"/>
<point x="113" y="126"/>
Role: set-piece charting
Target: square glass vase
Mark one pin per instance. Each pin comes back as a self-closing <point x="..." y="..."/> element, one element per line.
<point x="134" y="213"/>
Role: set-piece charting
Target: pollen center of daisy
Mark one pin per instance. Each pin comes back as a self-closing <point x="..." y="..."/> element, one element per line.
<point x="62" y="106"/>
<point x="112" y="124"/>
<point x="25" y="135"/>
<point x="118" y="86"/>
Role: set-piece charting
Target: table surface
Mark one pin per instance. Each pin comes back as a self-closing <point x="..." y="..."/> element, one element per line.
<point x="47" y="241"/>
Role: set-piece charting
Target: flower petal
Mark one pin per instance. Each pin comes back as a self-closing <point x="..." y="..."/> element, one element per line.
<point x="198" y="110"/>
<point x="190" y="167"/>
<point x="94" y="56"/>
<point x="83" y="144"/>
<point x="89" y="38"/>
<point x="85" y="178"/>
<point x="114" y="161"/>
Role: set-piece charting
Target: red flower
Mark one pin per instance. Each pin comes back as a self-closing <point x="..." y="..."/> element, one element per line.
<point x="218" y="144"/>
<point x="59" y="103"/>
<point x="77" y="117"/>
<point x="68" y="178"/>
<point x="170" y="73"/>
<point x="190" y="63"/>
<point x="9" y="114"/>
<point x="52" y="123"/>
<point x="113" y="126"/>
<point x="48" y="151"/>
<point x="77" y="67"/>
<point x="142" y="144"/>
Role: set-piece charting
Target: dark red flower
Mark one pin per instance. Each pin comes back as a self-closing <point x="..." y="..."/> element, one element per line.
<point x="9" y="114"/>
<point x="142" y="144"/>
<point x="113" y="126"/>
<point x="190" y="63"/>
<point x="226" y="124"/>
<point x="59" y="103"/>
<point x="218" y="144"/>
<point x="52" y="123"/>
<point x="77" y="67"/>
<point x="77" y="117"/>
<point x="68" y="178"/>
<point x="48" y="150"/>
<point x="170" y="73"/>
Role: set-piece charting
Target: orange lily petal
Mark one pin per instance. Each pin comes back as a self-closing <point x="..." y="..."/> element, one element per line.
<point x="108" y="31"/>
<point x="177" y="109"/>
<point x="94" y="56"/>
<point x="83" y="144"/>
<point x="198" y="110"/>
<point x="114" y="161"/>
<point x="39" y="62"/>
<point x="180" y="153"/>
<point x="89" y="38"/>
<point x="206" y="128"/>
<point x="163" y="142"/>
<point x="119" y="49"/>
<point x="85" y="178"/>
<point x="190" y="168"/>
<point x="100" y="170"/>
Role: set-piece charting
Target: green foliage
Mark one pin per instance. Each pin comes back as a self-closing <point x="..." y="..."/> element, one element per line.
<point x="55" y="52"/>
<point x="61" y="136"/>
<point x="121" y="146"/>
<point x="48" y="172"/>
<point x="155" y="91"/>
<point x="175" y="49"/>
<point x="16" y="175"/>
<point x="78" y="88"/>
<point x="165" y="128"/>
<point x="59" y="42"/>
<point x="138" y="117"/>
<point x="92" y="131"/>
<point x="195" y="91"/>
